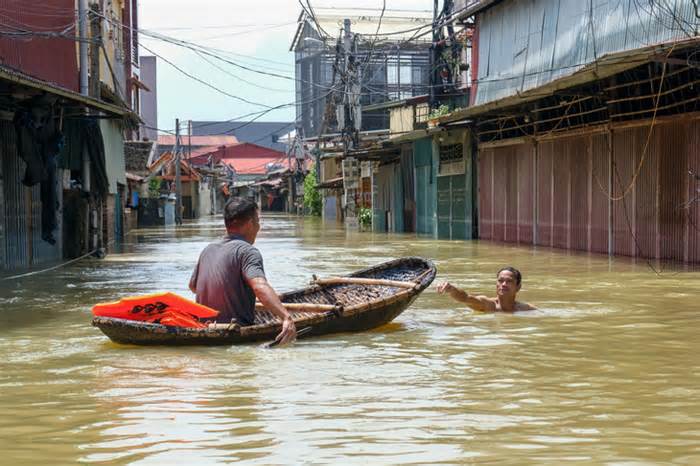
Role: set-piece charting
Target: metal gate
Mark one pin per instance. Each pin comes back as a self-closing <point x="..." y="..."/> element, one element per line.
<point x="21" y="210"/>
<point x="425" y="191"/>
<point x="452" y="206"/>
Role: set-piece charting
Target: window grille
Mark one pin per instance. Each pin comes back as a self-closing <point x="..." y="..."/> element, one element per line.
<point x="451" y="153"/>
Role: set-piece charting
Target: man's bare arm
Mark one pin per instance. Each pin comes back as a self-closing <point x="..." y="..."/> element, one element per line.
<point x="478" y="303"/>
<point x="267" y="296"/>
<point x="193" y="278"/>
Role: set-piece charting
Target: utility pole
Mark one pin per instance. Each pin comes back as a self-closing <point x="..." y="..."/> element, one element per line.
<point x="178" y="181"/>
<point x="96" y="34"/>
<point x="433" y="59"/>
<point x="351" y="121"/>
<point x="352" y="115"/>
<point x="83" y="36"/>
<point x="189" y="139"/>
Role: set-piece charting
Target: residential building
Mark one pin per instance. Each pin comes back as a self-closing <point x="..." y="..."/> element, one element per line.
<point x="249" y="164"/>
<point x="585" y="119"/>
<point x="193" y="146"/>
<point x="394" y="65"/>
<point x="65" y="202"/>
<point x="149" y="98"/>
<point x="262" y="133"/>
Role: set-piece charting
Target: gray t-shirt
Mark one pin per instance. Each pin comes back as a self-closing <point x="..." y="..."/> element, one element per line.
<point x="220" y="278"/>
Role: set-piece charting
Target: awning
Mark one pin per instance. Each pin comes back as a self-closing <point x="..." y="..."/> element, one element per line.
<point x="605" y="67"/>
<point x="274" y="183"/>
<point x="377" y="153"/>
<point x="333" y="183"/>
<point x="16" y="77"/>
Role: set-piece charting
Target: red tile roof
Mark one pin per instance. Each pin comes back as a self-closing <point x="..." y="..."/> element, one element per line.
<point x="245" y="158"/>
<point x="199" y="141"/>
<point x="253" y="166"/>
<point x="204" y="150"/>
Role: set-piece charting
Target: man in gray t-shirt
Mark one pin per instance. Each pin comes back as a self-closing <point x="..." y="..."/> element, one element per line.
<point x="229" y="273"/>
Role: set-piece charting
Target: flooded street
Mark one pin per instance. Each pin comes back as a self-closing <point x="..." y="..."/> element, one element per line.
<point x="606" y="372"/>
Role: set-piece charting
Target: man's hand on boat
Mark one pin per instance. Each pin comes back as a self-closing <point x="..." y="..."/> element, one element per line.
<point x="269" y="298"/>
<point x="288" y="333"/>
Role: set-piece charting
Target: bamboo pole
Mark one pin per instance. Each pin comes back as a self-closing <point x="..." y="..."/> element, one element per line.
<point x="363" y="281"/>
<point x="223" y="326"/>
<point x="308" y="307"/>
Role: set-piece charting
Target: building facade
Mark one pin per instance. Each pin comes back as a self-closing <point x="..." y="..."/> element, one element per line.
<point x="61" y="157"/>
<point x="392" y="65"/>
<point x="585" y="123"/>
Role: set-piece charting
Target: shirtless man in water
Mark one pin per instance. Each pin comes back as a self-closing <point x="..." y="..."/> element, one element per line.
<point x="508" y="281"/>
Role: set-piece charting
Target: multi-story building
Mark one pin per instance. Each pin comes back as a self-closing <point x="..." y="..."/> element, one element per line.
<point x="394" y="64"/>
<point x="65" y="199"/>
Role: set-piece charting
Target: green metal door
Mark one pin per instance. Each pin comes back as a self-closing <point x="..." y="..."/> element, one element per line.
<point x="444" y="206"/>
<point x="459" y="207"/>
<point x="397" y="199"/>
<point x="425" y="186"/>
<point x="424" y="209"/>
<point x="452" y="207"/>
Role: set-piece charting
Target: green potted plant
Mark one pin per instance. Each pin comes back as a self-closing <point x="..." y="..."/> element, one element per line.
<point x="435" y="115"/>
<point x="364" y="217"/>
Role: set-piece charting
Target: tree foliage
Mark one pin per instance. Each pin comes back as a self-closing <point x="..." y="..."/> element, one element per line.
<point x="313" y="203"/>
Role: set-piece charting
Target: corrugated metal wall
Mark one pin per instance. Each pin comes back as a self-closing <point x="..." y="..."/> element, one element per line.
<point x="486" y="193"/>
<point x="2" y="204"/>
<point x="565" y="184"/>
<point x="523" y="45"/>
<point x="115" y="165"/>
<point x="692" y="192"/>
<point x="21" y="211"/>
<point x="381" y="198"/>
<point x="397" y="199"/>
<point x="49" y="59"/>
<point x="426" y="186"/>
<point x="388" y="200"/>
<point x="506" y="195"/>
<point x="408" y="175"/>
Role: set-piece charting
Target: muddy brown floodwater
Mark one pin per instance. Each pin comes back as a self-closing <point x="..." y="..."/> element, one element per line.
<point x="608" y="371"/>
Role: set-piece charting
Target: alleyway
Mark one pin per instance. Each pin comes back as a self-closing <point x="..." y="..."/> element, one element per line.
<point x="602" y="373"/>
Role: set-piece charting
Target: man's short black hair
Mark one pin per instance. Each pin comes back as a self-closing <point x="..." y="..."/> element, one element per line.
<point x="239" y="210"/>
<point x="516" y="273"/>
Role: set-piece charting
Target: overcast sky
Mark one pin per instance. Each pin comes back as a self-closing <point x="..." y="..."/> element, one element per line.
<point x="252" y="33"/>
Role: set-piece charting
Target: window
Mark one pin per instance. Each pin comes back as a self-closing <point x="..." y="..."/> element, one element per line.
<point x="392" y="75"/>
<point x="451" y="153"/>
<point x="405" y="74"/>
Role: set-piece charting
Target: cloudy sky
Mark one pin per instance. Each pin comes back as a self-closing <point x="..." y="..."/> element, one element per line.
<point x="255" y="34"/>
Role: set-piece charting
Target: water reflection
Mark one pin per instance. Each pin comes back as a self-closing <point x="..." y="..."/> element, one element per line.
<point x="606" y="371"/>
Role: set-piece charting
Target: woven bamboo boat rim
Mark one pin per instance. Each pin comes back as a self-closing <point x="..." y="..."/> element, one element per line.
<point x="307" y="307"/>
<point x="363" y="281"/>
